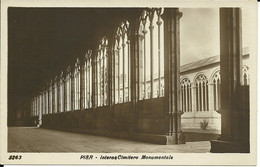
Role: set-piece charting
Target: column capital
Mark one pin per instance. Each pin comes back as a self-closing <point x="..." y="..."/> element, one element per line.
<point x="172" y="13"/>
<point x="144" y="31"/>
<point x="141" y="36"/>
<point x="151" y="27"/>
<point x="179" y="15"/>
<point x="159" y="22"/>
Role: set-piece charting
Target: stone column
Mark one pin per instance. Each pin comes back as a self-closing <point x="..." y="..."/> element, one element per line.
<point x="72" y="104"/>
<point x="232" y="118"/>
<point x="64" y="92"/>
<point x="94" y="80"/>
<point x="43" y="111"/>
<point x="151" y="27"/>
<point x="47" y="99"/>
<point x="140" y="47"/>
<point x="82" y="85"/>
<point x="40" y="109"/>
<point x="52" y="98"/>
<point x="173" y="113"/>
<point x="58" y="95"/>
<point x="211" y="96"/>
<point x="134" y="60"/>
<point x="110" y="67"/>
<point x="193" y="93"/>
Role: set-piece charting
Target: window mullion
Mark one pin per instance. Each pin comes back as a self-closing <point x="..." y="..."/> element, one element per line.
<point x="187" y="96"/>
<point x="118" y="48"/>
<point x="128" y="67"/>
<point x="151" y="56"/>
<point x="103" y="61"/>
<point x="144" y="63"/>
<point x="123" y="50"/>
<point x="114" y="73"/>
<point x="100" y="83"/>
<point x="159" y="22"/>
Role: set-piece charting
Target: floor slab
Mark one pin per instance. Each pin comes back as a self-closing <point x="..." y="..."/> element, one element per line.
<point x="32" y="139"/>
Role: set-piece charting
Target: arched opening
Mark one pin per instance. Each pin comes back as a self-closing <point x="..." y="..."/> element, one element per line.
<point x="151" y="59"/>
<point x="185" y="95"/>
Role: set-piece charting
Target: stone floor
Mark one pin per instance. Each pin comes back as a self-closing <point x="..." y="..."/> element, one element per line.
<point x="32" y="139"/>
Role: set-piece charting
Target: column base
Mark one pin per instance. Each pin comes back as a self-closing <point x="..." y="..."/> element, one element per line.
<point x="218" y="146"/>
<point x="178" y="138"/>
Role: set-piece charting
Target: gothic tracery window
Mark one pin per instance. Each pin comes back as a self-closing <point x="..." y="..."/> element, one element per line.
<point x="77" y="85"/>
<point x="55" y="95"/>
<point x="102" y="73"/>
<point x="43" y="103"/>
<point x="46" y="102"/>
<point x="33" y="106"/>
<point x="61" y="92"/>
<point x="87" y="72"/>
<point x="40" y="104"/>
<point x="122" y="63"/>
<point x="201" y="82"/>
<point x="50" y="98"/>
<point x="185" y="95"/>
<point x="68" y="90"/>
<point x="216" y="90"/>
<point x="36" y="106"/>
<point x="151" y="55"/>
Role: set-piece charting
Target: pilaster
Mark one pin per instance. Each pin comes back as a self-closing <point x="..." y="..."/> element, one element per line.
<point x="134" y="57"/>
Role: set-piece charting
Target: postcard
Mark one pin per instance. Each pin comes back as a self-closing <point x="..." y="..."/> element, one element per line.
<point x="128" y="82"/>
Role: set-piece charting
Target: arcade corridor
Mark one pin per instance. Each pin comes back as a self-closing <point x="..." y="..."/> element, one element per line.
<point x="123" y="78"/>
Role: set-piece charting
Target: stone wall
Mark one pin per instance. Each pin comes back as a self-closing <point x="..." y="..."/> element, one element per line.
<point x="148" y="119"/>
<point x="194" y="119"/>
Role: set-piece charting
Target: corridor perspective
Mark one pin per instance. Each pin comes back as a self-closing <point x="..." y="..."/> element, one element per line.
<point x="128" y="80"/>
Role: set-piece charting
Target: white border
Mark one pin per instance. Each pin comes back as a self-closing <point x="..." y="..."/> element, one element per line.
<point x="179" y="158"/>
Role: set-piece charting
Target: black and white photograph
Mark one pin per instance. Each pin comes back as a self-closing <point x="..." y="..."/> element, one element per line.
<point x="134" y="83"/>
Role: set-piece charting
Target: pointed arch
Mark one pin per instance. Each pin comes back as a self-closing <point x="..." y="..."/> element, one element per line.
<point x="185" y="95"/>
<point x="61" y="92"/>
<point x="87" y="77"/>
<point x="68" y="89"/>
<point x="122" y="63"/>
<point x="151" y="59"/>
<point x="216" y="89"/>
<point x="201" y="84"/>
<point x="102" y="72"/>
<point x="76" y="85"/>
